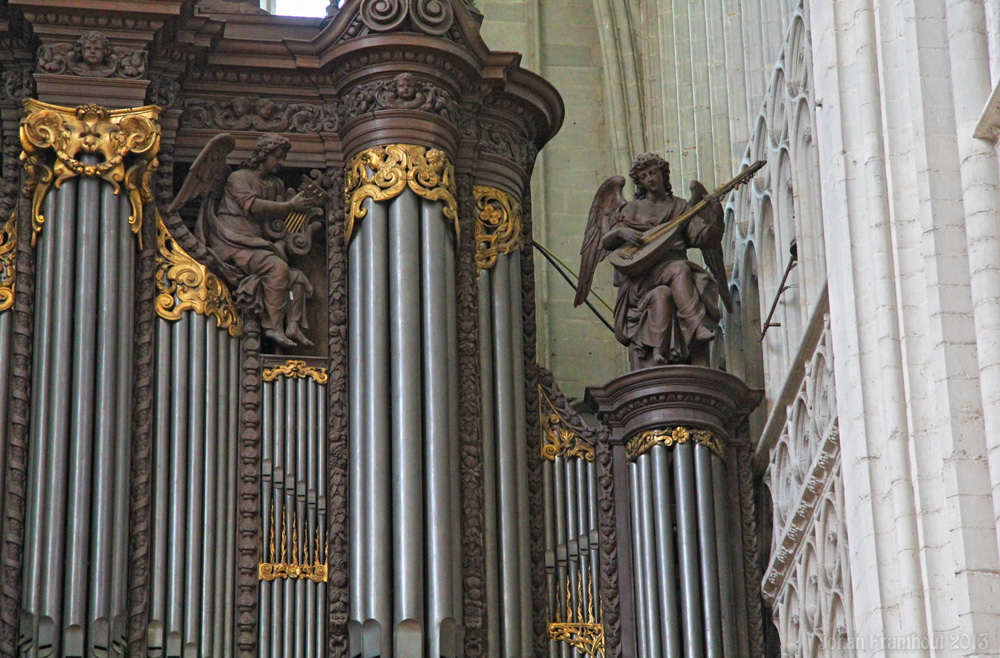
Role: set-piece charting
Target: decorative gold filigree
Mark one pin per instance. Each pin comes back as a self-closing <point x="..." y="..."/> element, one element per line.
<point x="640" y="444"/>
<point x="272" y="570"/>
<point x="559" y="439"/>
<point x="8" y="254"/>
<point x="89" y="129"/>
<point x="583" y="631"/>
<point x="187" y="285"/>
<point x="498" y="225"/>
<point x="383" y="172"/>
<point x="294" y="368"/>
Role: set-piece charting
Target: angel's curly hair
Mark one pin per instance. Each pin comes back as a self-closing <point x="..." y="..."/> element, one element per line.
<point x="645" y="160"/>
<point x="92" y="36"/>
<point x="267" y="144"/>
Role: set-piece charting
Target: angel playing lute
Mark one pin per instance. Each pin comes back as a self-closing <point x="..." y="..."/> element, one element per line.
<point x="667" y="309"/>
<point x="244" y="221"/>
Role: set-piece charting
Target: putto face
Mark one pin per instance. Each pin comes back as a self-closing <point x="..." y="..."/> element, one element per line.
<point x="405" y="88"/>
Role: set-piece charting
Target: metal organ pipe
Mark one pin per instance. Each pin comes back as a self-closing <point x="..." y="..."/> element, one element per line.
<point x="378" y="544"/>
<point x="406" y="237"/>
<point x="665" y="558"/>
<point x="436" y="423"/>
<point x="356" y="430"/>
<point x="489" y="462"/>
<point x="707" y="553"/>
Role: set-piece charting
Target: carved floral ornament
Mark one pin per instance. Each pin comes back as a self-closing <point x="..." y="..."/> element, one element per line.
<point x="642" y="443"/>
<point x="296" y="368"/>
<point x="184" y="284"/>
<point x="89" y="130"/>
<point x="383" y="172"/>
<point x="559" y="439"/>
<point x="498" y="225"/>
<point x="8" y="253"/>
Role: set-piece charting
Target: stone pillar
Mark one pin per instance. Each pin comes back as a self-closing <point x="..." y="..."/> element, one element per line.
<point x="672" y="433"/>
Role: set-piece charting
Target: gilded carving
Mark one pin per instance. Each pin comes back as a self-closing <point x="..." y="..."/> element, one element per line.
<point x="273" y="569"/>
<point x="296" y="368"/>
<point x="8" y="254"/>
<point x="185" y="284"/>
<point x="498" y="225"/>
<point x="560" y="440"/>
<point x="581" y="629"/>
<point x="89" y="129"/>
<point x="642" y="443"/>
<point x="383" y="172"/>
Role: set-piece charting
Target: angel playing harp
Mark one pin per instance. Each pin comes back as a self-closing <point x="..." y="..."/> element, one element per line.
<point x="667" y="308"/>
<point x="250" y="222"/>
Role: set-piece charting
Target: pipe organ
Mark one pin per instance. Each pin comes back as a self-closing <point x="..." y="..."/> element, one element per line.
<point x="267" y="364"/>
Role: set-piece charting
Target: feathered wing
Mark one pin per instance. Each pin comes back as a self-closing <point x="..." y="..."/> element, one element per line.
<point x="608" y="199"/>
<point x="716" y="262"/>
<point x="209" y="172"/>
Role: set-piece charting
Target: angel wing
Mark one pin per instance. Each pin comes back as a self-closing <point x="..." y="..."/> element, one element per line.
<point x="714" y="258"/>
<point x="607" y="200"/>
<point x="208" y="173"/>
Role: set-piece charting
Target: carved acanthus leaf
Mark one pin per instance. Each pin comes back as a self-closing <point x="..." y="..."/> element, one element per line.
<point x="382" y="173"/>
<point x="259" y="114"/>
<point x="109" y="62"/>
<point x="498" y="225"/>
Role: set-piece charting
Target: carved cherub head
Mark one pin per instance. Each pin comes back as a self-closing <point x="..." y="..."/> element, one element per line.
<point x="649" y="161"/>
<point x="92" y="50"/>
<point x="268" y="153"/>
<point x="405" y="86"/>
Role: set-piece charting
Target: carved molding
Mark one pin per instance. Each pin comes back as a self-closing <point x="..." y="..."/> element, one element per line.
<point x="471" y="440"/>
<point x="184" y="284"/>
<point x="296" y="368"/>
<point x="642" y="443"/>
<point x="8" y="256"/>
<point x="80" y="58"/>
<point x="608" y="540"/>
<point x="258" y="114"/>
<point x="89" y="129"/>
<point x="142" y="445"/>
<point x="338" y="590"/>
<point x="498" y="225"/>
<point x="383" y="172"/>
<point x="248" y="492"/>
<point x="403" y="92"/>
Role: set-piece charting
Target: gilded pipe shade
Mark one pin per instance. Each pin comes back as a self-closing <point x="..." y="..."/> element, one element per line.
<point x="383" y="172"/>
<point x="89" y="129"/>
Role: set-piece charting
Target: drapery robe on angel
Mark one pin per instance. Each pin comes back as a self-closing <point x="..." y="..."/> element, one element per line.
<point x="269" y="284"/>
<point x="676" y="301"/>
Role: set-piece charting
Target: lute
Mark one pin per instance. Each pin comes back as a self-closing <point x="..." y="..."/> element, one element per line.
<point x="632" y="260"/>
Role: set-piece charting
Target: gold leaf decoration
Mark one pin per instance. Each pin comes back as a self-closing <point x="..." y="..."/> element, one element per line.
<point x="272" y="569"/>
<point x="383" y="172"/>
<point x="184" y="284"/>
<point x="8" y="254"/>
<point x="580" y="629"/>
<point x="498" y="225"/>
<point x="94" y="130"/>
<point x="558" y="438"/>
<point x="642" y="443"/>
<point x="296" y="368"/>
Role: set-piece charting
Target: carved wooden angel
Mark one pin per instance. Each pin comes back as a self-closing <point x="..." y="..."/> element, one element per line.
<point x="250" y="222"/>
<point x="667" y="307"/>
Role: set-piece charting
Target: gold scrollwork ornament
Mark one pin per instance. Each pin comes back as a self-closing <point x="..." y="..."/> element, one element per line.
<point x="8" y="255"/>
<point x="383" y="172"/>
<point x="89" y="130"/>
<point x="184" y="284"/>
<point x="559" y="440"/>
<point x="644" y="442"/>
<point x="296" y="368"/>
<point x="498" y="225"/>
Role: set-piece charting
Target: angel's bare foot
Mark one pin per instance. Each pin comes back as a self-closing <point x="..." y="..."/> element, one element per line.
<point x="278" y="336"/>
<point x="293" y="332"/>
